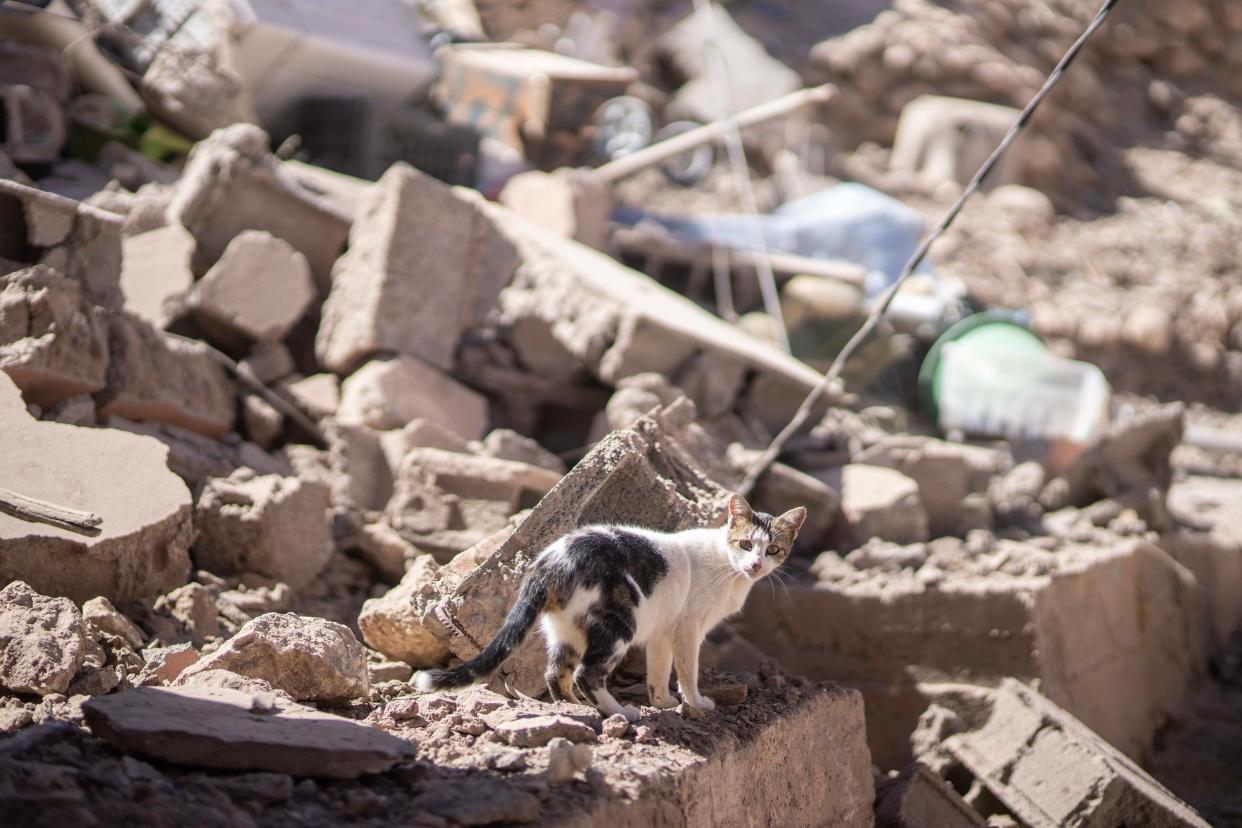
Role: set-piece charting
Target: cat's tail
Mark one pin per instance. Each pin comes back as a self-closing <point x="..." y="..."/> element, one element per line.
<point x="531" y="599"/>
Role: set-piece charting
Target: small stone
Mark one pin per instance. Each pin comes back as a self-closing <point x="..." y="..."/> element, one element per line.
<point x="615" y="727"/>
<point x="402" y="710"/>
<point x="537" y="731"/>
<point x="566" y="759"/>
<point x="100" y="612"/>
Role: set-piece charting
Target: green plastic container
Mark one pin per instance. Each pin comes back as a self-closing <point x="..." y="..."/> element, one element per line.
<point x="988" y="375"/>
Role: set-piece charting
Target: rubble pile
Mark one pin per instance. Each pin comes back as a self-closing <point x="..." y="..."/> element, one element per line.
<point x="1151" y="69"/>
<point x="273" y="437"/>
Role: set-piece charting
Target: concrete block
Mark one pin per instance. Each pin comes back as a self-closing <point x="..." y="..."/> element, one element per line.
<point x="388" y="394"/>
<point x="156" y="269"/>
<point x="945" y="473"/>
<point x="878" y="503"/>
<point x="1049" y="769"/>
<point x="319" y="395"/>
<point x="644" y="475"/>
<point x="232" y="184"/>
<point x="270" y="525"/>
<point x="141" y="547"/>
<point x="80" y="241"/>
<point x="53" y="343"/>
<point x="424" y="265"/>
<point x="258" y="290"/>
<point x="566" y="201"/>
<point x="388" y="625"/>
<point x="507" y="444"/>
<point x="361" y="477"/>
<point x="152" y="377"/>
<point x="919" y="798"/>
<point x="445" y="502"/>
<point x="1093" y="624"/>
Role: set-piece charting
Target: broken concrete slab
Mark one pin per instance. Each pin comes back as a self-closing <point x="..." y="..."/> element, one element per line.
<point x="268" y="525"/>
<point x="1048" y="769"/>
<point x="645" y="475"/>
<point x="1092" y="623"/>
<point x="42" y="642"/>
<point x="359" y="474"/>
<point x="257" y="291"/>
<point x="53" y="343"/>
<point x="186" y="87"/>
<point x="319" y="395"/>
<point x="568" y="202"/>
<point x="507" y="444"/>
<point x="945" y="473"/>
<point x="878" y="502"/>
<point x="919" y="798"/>
<point x="156" y="269"/>
<point x="424" y="265"/>
<point x="387" y="394"/>
<point x="153" y="377"/>
<point x="614" y="322"/>
<point x="80" y="241"/>
<point x="445" y="502"/>
<point x="236" y="730"/>
<point x="232" y="184"/>
<point x="309" y="658"/>
<point x="389" y="624"/>
<point x="140" y="548"/>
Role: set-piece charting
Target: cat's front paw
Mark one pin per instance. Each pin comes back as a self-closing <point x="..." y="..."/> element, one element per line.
<point x="630" y="712"/>
<point x="705" y="703"/>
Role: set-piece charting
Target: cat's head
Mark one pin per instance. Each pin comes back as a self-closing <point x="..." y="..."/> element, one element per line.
<point x="757" y="542"/>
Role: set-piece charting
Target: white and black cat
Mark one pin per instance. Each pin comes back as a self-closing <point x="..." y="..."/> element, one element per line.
<point x="601" y="589"/>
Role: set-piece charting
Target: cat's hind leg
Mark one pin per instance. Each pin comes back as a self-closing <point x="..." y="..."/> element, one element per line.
<point x="601" y="658"/>
<point x="563" y="661"/>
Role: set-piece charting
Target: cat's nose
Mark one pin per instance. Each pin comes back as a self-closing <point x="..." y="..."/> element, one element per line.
<point x="756" y="566"/>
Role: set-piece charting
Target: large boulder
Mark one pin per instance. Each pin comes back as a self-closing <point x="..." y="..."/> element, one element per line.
<point x="42" y="643"/>
<point x="138" y="551"/>
<point x="308" y="658"/>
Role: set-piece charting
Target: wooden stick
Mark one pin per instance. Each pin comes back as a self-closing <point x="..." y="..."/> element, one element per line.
<point x="656" y="153"/>
<point x="29" y="508"/>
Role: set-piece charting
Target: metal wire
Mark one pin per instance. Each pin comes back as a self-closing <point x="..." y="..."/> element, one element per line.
<point x="741" y="170"/>
<point x="800" y="417"/>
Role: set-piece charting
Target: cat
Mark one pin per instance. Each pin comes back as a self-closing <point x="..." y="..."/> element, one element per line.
<point x="601" y="589"/>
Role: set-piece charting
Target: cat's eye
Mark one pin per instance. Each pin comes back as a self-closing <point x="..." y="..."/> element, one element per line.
<point x="774" y="550"/>
<point x="744" y="545"/>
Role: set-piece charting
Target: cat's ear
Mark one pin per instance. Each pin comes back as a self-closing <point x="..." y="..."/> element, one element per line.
<point x="793" y="519"/>
<point x="739" y="509"/>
